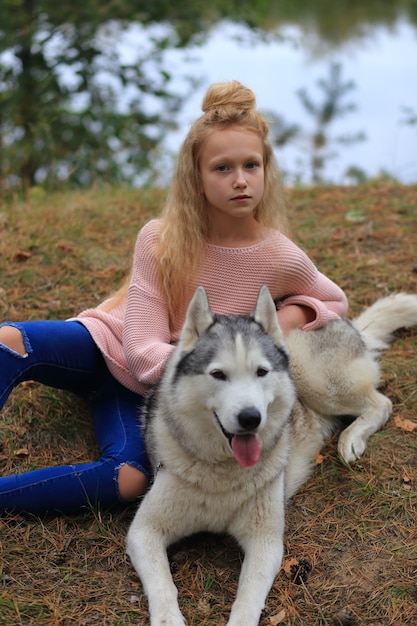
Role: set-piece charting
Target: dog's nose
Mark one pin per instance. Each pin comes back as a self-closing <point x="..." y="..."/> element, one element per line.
<point x="249" y="418"/>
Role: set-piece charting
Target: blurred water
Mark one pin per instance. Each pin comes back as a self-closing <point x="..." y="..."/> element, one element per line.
<point x="383" y="66"/>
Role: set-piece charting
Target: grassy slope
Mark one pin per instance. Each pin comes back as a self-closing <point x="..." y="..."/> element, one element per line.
<point x="355" y="526"/>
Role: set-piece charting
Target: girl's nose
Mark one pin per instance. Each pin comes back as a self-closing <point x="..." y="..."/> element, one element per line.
<point x="240" y="180"/>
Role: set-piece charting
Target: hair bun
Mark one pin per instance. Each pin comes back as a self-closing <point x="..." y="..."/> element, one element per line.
<point x="230" y="93"/>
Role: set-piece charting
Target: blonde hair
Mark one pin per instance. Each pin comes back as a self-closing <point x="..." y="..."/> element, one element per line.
<point x="184" y="219"/>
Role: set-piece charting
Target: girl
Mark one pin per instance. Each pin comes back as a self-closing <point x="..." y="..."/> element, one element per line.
<point x="222" y="227"/>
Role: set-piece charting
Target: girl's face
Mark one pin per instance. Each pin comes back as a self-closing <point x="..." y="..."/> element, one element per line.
<point x="232" y="174"/>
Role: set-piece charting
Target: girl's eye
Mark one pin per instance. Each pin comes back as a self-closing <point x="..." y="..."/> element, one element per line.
<point x="222" y="168"/>
<point x="251" y="165"/>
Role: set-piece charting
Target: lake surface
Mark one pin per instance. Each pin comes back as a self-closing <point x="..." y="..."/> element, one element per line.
<point x="383" y="67"/>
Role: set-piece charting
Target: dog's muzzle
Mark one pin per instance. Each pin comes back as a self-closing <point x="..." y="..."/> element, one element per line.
<point x="229" y="436"/>
<point x="245" y="444"/>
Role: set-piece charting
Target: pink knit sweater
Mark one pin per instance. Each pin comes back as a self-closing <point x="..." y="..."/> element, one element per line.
<point x="135" y="338"/>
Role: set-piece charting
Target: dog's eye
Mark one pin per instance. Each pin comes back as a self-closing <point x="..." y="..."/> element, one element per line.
<point x="261" y="372"/>
<point x="218" y="375"/>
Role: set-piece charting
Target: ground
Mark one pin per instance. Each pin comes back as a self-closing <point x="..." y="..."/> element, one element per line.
<point x="351" y="538"/>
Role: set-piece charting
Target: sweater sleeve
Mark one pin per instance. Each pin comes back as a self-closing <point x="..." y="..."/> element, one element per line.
<point x="146" y="333"/>
<point x="311" y="288"/>
<point x="326" y="299"/>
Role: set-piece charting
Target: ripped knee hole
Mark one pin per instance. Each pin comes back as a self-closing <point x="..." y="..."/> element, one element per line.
<point x="12" y="338"/>
<point x="131" y="481"/>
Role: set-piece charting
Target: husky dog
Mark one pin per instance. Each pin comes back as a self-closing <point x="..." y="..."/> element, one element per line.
<point x="234" y="425"/>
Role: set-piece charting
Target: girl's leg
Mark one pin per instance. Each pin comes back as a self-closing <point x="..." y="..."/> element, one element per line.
<point x="58" y="354"/>
<point x="62" y="354"/>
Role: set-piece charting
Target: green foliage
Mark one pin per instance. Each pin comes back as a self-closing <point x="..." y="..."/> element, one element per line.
<point x="324" y="113"/>
<point x="332" y="23"/>
<point x="61" y="82"/>
<point x="282" y="131"/>
<point x="410" y="116"/>
<point x="73" y="109"/>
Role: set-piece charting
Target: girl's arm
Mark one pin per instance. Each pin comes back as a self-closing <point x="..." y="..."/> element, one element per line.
<point x="319" y="304"/>
<point x="317" y="298"/>
<point x="147" y="339"/>
<point x="295" y="316"/>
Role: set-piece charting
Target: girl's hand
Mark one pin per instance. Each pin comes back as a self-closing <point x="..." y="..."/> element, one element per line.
<point x="294" y="316"/>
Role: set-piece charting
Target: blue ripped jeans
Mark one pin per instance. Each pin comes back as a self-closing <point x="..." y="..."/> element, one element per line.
<point x="62" y="354"/>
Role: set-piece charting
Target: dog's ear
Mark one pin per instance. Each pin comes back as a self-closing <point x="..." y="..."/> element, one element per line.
<point x="266" y="314"/>
<point x="199" y="317"/>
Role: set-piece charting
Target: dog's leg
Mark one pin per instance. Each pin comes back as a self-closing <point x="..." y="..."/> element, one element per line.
<point x="353" y="440"/>
<point x="149" y="558"/>
<point x="260" y="567"/>
<point x="155" y="526"/>
<point x="262" y="542"/>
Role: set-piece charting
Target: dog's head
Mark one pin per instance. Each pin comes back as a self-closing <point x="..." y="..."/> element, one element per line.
<point x="231" y="373"/>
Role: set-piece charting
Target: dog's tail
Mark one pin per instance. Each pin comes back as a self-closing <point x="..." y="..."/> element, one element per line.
<point x="377" y="323"/>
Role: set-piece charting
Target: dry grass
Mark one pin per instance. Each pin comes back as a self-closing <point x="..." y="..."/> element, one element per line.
<point x="355" y="526"/>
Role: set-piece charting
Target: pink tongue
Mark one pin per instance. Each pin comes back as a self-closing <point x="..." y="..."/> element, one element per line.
<point x="246" y="449"/>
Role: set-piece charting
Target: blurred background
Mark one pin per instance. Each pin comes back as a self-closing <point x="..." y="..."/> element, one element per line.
<point x="104" y="91"/>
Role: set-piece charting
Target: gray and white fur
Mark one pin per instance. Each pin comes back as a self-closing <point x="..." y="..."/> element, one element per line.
<point x="234" y="425"/>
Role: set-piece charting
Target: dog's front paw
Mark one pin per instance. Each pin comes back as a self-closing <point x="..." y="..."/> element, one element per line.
<point x="168" y="618"/>
<point x="351" y="445"/>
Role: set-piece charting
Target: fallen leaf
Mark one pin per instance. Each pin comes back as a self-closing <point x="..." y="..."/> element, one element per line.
<point x="406" y="425"/>
<point x="21" y="452"/>
<point x="289" y="564"/>
<point x="54" y="305"/>
<point x="319" y="459"/>
<point x="21" y="255"/>
<point x="297" y="570"/>
<point x="278" y="618"/>
<point x="355" y="215"/>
